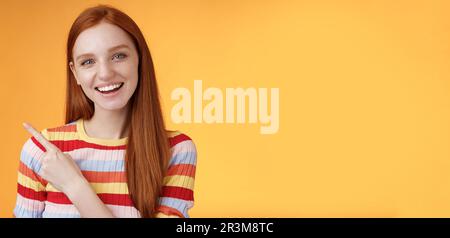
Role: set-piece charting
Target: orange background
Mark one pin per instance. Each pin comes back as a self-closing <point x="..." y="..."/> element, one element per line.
<point x="364" y="99"/>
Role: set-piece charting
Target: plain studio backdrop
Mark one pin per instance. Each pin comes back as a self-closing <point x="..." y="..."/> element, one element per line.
<point x="364" y="99"/>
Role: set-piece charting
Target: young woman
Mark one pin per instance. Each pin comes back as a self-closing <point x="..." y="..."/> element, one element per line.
<point x="113" y="157"/>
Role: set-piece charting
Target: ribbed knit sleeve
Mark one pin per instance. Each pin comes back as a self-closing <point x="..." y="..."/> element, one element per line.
<point x="31" y="192"/>
<point x="178" y="189"/>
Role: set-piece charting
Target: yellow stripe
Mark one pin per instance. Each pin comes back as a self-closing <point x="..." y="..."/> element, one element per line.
<point x="163" y="215"/>
<point x="50" y="188"/>
<point x="59" y="135"/>
<point x="179" y="181"/>
<point x="30" y="183"/>
<point x="45" y="133"/>
<point x="122" y="188"/>
<point x="107" y="142"/>
<point x="113" y="188"/>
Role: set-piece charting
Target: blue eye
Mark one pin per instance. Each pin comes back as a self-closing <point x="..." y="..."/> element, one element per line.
<point x="119" y="56"/>
<point x="85" y="62"/>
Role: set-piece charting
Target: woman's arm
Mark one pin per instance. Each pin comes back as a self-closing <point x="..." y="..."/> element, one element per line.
<point x="86" y="200"/>
<point x="61" y="171"/>
<point x="31" y="194"/>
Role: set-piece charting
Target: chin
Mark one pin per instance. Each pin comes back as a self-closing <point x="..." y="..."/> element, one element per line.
<point x="112" y="106"/>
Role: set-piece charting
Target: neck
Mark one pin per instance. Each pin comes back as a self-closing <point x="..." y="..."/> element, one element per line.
<point x="107" y="124"/>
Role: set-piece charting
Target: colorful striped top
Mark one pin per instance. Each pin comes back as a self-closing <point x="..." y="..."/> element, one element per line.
<point x="101" y="161"/>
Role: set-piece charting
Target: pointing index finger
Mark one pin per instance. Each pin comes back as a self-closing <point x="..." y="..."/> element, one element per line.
<point x="39" y="137"/>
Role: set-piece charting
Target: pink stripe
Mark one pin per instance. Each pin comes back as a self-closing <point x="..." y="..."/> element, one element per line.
<point x="93" y="154"/>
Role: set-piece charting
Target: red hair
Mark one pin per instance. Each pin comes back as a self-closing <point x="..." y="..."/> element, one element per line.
<point x="148" y="150"/>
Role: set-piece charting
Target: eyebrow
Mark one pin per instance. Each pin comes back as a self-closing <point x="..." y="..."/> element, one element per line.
<point x="109" y="50"/>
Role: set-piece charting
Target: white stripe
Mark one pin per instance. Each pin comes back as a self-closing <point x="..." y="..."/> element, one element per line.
<point x="69" y="210"/>
<point x="29" y="204"/>
<point x="52" y="209"/>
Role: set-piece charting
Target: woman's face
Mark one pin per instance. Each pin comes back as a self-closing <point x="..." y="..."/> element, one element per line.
<point x="105" y="65"/>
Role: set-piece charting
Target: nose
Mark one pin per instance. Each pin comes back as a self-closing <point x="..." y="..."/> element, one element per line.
<point x="105" y="71"/>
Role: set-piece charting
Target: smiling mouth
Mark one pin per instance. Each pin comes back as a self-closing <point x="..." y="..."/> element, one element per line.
<point x="109" y="89"/>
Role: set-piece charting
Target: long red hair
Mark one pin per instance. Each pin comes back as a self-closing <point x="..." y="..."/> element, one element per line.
<point x="147" y="152"/>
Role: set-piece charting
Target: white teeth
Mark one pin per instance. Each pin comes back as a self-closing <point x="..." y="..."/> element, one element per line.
<point x="109" y="87"/>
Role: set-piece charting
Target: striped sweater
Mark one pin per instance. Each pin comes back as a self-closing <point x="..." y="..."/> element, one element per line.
<point x="101" y="161"/>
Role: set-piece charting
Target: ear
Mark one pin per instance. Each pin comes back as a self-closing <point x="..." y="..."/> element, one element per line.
<point x="72" y="68"/>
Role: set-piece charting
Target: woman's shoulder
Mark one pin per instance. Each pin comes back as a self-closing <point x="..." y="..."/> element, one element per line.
<point x="60" y="131"/>
<point x="182" y="147"/>
<point x="33" y="149"/>
<point x="176" y="137"/>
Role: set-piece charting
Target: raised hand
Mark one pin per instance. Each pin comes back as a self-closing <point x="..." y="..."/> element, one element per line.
<point x="58" y="168"/>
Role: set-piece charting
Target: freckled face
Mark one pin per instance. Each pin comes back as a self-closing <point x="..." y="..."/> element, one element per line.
<point x="105" y="65"/>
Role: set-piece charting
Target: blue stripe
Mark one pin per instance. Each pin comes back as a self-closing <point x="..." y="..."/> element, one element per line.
<point x="21" y="212"/>
<point x="178" y="204"/>
<point x="184" y="158"/>
<point x="30" y="161"/>
<point x="84" y="164"/>
<point x="60" y="215"/>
